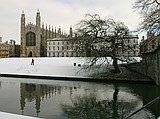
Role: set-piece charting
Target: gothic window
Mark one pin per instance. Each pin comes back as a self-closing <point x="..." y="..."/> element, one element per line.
<point x="30" y="39"/>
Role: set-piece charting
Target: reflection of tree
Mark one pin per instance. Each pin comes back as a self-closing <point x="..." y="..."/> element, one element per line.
<point x="115" y="96"/>
<point x="89" y="107"/>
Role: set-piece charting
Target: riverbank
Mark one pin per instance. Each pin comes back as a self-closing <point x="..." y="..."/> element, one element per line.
<point x="65" y="69"/>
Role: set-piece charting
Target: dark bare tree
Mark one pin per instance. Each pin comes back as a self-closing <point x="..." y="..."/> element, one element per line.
<point x="150" y="12"/>
<point x="99" y="39"/>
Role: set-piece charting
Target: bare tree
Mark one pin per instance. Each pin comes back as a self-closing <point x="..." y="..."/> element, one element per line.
<point x="99" y="39"/>
<point x="150" y="11"/>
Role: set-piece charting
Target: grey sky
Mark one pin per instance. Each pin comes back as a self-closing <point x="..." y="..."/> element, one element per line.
<point x="62" y="13"/>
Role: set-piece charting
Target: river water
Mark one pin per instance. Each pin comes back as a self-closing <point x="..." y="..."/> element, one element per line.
<point x="52" y="99"/>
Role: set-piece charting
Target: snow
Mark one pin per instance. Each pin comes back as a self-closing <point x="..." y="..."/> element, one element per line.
<point x="4" y="115"/>
<point x="47" y="66"/>
<point x="58" y="67"/>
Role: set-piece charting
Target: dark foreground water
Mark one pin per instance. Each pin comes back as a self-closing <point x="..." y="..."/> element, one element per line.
<point x="77" y="100"/>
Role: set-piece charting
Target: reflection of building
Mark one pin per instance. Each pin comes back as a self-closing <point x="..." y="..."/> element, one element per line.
<point x="33" y="37"/>
<point x="37" y="93"/>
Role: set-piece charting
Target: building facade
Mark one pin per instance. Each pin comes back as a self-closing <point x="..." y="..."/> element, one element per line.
<point x="4" y="50"/>
<point x="61" y="47"/>
<point x="68" y="47"/>
<point x="10" y="49"/>
<point x="151" y="43"/>
<point x="14" y="49"/>
<point x="130" y="47"/>
<point x="34" y="37"/>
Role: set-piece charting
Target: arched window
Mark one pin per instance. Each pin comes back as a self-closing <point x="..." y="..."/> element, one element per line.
<point x="30" y="39"/>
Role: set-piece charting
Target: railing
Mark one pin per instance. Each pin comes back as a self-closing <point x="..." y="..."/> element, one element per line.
<point x="148" y="104"/>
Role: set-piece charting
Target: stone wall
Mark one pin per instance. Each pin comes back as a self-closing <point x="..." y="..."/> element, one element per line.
<point x="149" y="66"/>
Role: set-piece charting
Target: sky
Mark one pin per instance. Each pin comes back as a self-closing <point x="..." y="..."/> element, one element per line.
<point x="62" y="13"/>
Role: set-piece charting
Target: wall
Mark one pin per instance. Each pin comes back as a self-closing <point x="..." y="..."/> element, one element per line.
<point x="149" y="66"/>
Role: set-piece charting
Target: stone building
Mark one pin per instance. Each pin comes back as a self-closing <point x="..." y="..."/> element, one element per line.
<point x="61" y="47"/>
<point x="151" y="43"/>
<point x="34" y="37"/>
<point x="14" y="49"/>
<point x="130" y="47"/>
<point x="68" y="47"/>
<point x="4" y="49"/>
<point x="10" y="49"/>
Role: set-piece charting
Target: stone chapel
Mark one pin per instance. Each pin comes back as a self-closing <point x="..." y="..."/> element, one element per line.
<point x="34" y="37"/>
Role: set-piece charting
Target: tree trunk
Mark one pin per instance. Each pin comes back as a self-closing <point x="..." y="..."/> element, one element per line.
<point x="115" y="64"/>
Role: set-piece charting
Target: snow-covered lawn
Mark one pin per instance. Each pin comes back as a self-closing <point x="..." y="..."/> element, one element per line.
<point x="47" y="66"/>
<point x="4" y="115"/>
<point x="59" y="67"/>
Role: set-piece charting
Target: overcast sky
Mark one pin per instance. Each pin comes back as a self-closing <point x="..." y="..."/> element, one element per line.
<point x="63" y="13"/>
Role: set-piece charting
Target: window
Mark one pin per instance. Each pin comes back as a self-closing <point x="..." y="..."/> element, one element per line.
<point x="58" y="48"/>
<point x="62" y="47"/>
<point x="53" y="54"/>
<point x="53" y="48"/>
<point x="62" y="54"/>
<point x="30" y="39"/>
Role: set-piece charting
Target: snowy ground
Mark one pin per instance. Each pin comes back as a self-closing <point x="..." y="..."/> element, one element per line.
<point x="57" y="66"/>
<point x="4" y="115"/>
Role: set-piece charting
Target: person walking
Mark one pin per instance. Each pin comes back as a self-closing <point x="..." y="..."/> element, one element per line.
<point x="32" y="61"/>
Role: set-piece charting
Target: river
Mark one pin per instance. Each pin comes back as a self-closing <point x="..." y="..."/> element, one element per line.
<point x="53" y="99"/>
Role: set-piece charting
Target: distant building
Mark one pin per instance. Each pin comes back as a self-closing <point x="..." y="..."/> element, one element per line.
<point x="130" y="47"/>
<point x="4" y="49"/>
<point x="10" y="49"/>
<point x="14" y="49"/>
<point x="68" y="47"/>
<point x="151" y="43"/>
<point x="34" y="37"/>
<point x="61" y="47"/>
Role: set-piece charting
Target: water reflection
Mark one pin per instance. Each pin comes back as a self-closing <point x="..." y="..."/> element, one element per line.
<point x="90" y="107"/>
<point x="37" y="93"/>
<point x="77" y="100"/>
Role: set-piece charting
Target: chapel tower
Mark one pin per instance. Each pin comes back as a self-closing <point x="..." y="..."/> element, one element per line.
<point x="34" y="37"/>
